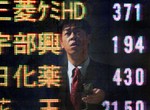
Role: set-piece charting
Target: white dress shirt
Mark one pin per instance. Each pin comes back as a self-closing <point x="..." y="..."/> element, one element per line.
<point x="82" y="68"/>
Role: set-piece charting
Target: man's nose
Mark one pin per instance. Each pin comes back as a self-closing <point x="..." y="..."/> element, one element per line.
<point x="73" y="35"/>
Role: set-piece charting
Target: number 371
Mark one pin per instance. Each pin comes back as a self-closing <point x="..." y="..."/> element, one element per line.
<point x="118" y="8"/>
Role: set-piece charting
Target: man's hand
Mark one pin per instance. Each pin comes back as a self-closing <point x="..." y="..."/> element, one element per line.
<point x="95" y="98"/>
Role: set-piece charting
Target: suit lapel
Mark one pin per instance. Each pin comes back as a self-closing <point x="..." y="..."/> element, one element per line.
<point x="89" y="74"/>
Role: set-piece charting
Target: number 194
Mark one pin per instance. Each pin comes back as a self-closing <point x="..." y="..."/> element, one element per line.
<point x="129" y="44"/>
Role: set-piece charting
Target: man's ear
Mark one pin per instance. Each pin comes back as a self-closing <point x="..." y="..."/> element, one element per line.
<point x="61" y="42"/>
<point x="62" y="46"/>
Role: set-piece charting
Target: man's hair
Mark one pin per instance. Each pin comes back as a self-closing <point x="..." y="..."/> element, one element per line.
<point x="83" y="24"/>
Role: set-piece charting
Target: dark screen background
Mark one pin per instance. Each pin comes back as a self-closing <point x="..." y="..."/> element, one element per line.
<point x="99" y="15"/>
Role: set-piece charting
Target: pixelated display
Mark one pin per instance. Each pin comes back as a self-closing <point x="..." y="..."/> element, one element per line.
<point x="26" y="10"/>
<point x="48" y="76"/>
<point x="3" y="103"/>
<point x="31" y="42"/>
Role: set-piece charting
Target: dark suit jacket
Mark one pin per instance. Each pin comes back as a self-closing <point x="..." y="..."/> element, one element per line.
<point x="96" y="73"/>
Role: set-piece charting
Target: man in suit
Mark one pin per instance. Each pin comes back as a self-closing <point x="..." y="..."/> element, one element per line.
<point x="75" y="40"/>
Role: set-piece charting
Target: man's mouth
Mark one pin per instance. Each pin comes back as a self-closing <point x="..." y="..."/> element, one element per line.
<point x="74" y="43"/>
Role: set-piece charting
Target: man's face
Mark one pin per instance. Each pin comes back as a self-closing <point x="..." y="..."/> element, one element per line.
<point x="74" y="40"/>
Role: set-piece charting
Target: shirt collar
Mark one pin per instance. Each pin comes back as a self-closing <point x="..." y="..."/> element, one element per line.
<point x="82" y="67"/>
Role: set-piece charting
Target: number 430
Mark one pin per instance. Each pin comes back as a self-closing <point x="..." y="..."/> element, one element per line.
<point x="136" y="77"/>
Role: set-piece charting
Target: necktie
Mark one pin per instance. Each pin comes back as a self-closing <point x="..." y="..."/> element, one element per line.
<point x="76" y="89"/>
